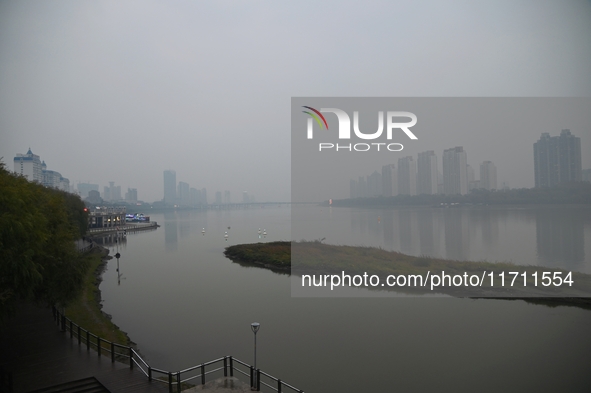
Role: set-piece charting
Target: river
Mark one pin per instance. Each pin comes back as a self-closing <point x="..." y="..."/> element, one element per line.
<point x="184" y="303"/>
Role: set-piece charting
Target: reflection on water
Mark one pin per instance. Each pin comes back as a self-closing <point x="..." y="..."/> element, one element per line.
<point x="184" y="303"/>
<point x="560" y="235"/>
<point x="170" y="226"/>
<point x="546" y="236"/>
<point x="457" y="235"/>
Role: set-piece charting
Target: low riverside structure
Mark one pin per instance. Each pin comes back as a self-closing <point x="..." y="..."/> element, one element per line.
<point x="113" y="219"/>
<point x="106" y="217"/>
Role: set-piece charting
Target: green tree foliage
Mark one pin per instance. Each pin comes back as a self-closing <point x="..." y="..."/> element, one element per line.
<point x="38" y="258"/>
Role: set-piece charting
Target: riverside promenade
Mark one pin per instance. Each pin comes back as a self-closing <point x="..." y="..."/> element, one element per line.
<point x="39" y="356"/>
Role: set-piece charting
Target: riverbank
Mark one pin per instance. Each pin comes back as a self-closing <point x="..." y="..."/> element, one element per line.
<point x="316" y="258"/>
<point x="86" y="311"/>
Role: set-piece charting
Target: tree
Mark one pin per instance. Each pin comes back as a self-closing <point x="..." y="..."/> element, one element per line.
<point x="38" y="227"/>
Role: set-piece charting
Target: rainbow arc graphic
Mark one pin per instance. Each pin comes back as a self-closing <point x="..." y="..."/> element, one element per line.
<point x="315" y="115"/>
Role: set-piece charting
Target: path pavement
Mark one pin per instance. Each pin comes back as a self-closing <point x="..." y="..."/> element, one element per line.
<point x="39" y="355"/>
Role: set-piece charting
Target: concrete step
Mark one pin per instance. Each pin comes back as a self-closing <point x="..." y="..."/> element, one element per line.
<point x="88" y="385"/>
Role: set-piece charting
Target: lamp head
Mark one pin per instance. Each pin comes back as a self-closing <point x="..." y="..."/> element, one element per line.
<point x="255" y="327"/>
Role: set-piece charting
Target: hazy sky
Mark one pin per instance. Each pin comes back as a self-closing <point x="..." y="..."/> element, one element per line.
<point x="120" y="91"/>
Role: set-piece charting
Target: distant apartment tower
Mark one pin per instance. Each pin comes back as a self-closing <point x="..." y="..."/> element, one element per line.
<point x="586" y="175"/>
<point x="407" y="176"/>
<point x="112" y="192"/>
<point x="227" y="197"/>
<point x="488" y="176"/>
<point x="389" y="180"/>
<point x="218" y="197"/>
<point x="455" y="179"/>
<point x="471" y="178"/>
<point x="203" y="196"/>
<point x="29" y="165"/>
<point x="94" y="196"/>
<point x="170" y="188"/>
<point x="131" y="195"/>
<point x="362" y="191"/>
<point x="85" y="188"/>
<point x="194" y="197"/>
<point x="427" y="173"/>
<point x="557" y="159"/>
<point x="115" y="191"/>
<point x="374" y="184"/>
<point x="183" y="196"/>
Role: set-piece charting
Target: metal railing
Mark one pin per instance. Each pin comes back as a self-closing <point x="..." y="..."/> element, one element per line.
<point x="179" y="380"/>
<point x="124" y="227"/>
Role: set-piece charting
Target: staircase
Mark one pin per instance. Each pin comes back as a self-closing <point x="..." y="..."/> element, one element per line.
<point x="90" y="385"/>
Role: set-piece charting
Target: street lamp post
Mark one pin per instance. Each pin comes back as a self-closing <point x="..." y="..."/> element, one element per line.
<point x="255" y="326"/>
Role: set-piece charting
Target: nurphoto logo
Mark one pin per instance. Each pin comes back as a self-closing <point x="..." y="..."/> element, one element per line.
<point x="344" y="129"/>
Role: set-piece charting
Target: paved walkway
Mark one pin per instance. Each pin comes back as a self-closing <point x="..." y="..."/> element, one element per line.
<point x="222" y="385"/>
<point x="39" y="355"/>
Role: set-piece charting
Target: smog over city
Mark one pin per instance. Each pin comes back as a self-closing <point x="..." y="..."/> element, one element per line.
<point x="121" y="92"/>
<point x="319" y="196"/>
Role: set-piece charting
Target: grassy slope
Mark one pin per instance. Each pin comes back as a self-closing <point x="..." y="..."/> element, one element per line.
<point x="86" y="311"/>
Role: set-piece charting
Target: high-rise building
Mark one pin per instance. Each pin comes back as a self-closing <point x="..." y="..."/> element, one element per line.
<point x="471" y="178"/>
<point x="203" y="196"/>
<point x="488" y="176"/>
<point x="194" y="197"/>
<point x="586" y="175"/>
<point x="218" y="197"/>
<point x="389" y="180"/>
<point x="407" y="176"/>
<point x="362" y="190"/>
<point x="227" y="197"/>
<point x="374" y="184"/>
<point x="94" y="197"/>
<point x="131" y="195"/>
<point x="115" y="191"/>
<point x="557" y="159"/>
<point x="455" y="178"/>
<point x="470" y="175"/>
<point x="183" y="197"/>
<point x="112" y="192"/>
<point x="427" y="173"/>
<point x="170" y="188"/>
<point x="29" y="165"/>
<point x="106" y="193"/>
<point x="85" y="188"/>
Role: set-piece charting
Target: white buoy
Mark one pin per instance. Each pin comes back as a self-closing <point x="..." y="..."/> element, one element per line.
<point x="264" y="232"/>
<point x="259" y="231"/>
<point x="203" y="231"/>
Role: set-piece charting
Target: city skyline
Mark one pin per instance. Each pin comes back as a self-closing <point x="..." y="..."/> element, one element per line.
<point x="557" y="160"/>
<point x="123" y="91"/>
<point x="404" y="178"/>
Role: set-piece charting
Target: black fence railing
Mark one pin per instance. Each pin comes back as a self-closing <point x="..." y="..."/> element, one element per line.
<point x="179" y="380"/>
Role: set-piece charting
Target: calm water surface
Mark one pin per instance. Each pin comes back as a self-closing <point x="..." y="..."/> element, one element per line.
<point x="184" y="303"/>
